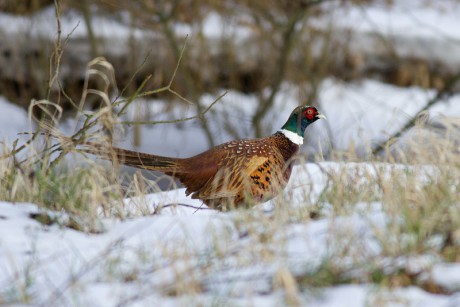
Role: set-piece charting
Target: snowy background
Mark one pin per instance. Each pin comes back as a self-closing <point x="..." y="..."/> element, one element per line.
<point x="140" y="260"/>
<point x="144" y="260"/>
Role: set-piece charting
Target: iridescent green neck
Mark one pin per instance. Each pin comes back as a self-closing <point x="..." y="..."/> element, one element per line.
<point x="294" y="125"/>
<point x="293" y="129"/>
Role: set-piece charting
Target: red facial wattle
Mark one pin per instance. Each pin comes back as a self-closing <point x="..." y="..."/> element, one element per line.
<point x="309" y="113"/>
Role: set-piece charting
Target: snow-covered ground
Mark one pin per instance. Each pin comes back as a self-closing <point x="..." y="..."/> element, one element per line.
<point x="145" y="260"/>
<point x="190" y="257"/>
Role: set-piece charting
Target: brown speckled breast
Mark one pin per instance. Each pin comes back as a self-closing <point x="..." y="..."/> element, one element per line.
<point x="248" y="172"/>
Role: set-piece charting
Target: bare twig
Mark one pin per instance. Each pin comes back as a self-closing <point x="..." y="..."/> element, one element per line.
<point x="440" y="96"/>
<point x="134" y="75"/>
<point x="58" y="50"/>
<point x="161" y="207"/>
<point x="199" y="115"/>
<point x="166" y="88"/>
<point x="286" y="48"/>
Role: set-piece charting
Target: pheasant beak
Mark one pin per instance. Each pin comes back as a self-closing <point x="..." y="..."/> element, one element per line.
<point x="319" y="115"/>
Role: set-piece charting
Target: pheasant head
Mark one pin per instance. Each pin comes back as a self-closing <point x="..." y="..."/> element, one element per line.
<point x="298" y="121"/>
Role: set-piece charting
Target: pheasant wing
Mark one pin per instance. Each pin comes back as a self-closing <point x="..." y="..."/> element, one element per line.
<point x="232" y="178"/>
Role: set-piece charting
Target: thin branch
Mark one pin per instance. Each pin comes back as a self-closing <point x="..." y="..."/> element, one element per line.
<point x="178" y="61"/>
<point x="180" y="96"/>
<point x="199" y="115"/>
<point x="161" y="207"/>
<point x="136" y="94"/>
<point x="138" y="69"/>
<point x="58" y="49"/>
<point x="440" y="96"/>
<point x="159" y="90"/>
<point x="288" y="37"/>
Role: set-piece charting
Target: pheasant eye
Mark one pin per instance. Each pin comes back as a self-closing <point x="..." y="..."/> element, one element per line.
<point x="309" y="113"/>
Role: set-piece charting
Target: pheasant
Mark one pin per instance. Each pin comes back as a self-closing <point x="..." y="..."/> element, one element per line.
<point x="234" y="174"/>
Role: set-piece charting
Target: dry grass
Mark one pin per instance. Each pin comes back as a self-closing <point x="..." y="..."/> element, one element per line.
<point x="419" y="198"/>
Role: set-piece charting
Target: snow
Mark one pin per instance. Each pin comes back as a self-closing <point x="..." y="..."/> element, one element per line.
<point x="236" y="258"/>
<point x="447" y="275"/>
<point x="142" y="258"/>
<point x="357" y="295"/>
<point x="214" y="26"/>
<point x="414" y="28"/>
<point x="42" y="24"/>
<point x="412" y="18"/>
<point x="368" y="112"/>
<point x="359" y="114"/>
<point x="13" y="120"/>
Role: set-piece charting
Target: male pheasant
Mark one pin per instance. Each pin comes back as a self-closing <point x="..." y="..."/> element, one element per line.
<point x="237" y="173"/>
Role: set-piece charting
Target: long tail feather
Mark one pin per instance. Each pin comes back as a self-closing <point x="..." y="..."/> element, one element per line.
<point x="133" y="158"/>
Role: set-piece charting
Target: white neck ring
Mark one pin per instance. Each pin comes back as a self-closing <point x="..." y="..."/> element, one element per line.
<point x="292" y="136"/>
